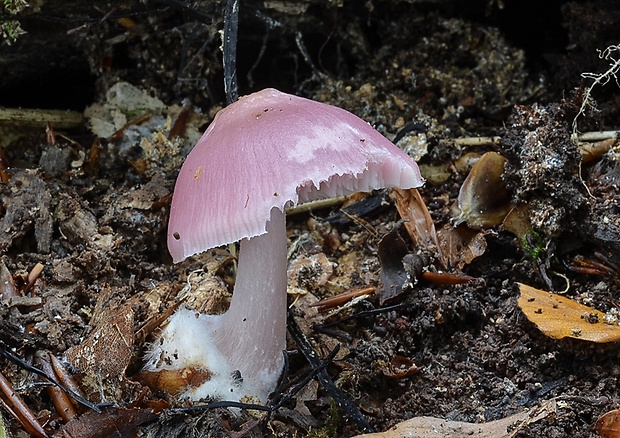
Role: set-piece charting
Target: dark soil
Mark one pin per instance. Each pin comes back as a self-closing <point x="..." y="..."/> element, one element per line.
<point x="91" y="205"/>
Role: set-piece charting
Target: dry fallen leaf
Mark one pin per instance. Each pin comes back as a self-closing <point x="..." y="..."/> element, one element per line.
<point x="430" y="427"/>
<point x="392" y="249"/>
<point x="517" y="221"/>
<point x="560" y="317"/>
<point x="419" y="223"/>
<point x="592" y="151"/>
<point x="423" y="427"/>
<point x="461" y="245"/>
<point x="113" y="421"/>
<point x="105" y="353"/>
<point x="608" y="425"/>
<point x="483" y="198"/>
<point x="108" y="350"/>
<point x="399" y="367"/>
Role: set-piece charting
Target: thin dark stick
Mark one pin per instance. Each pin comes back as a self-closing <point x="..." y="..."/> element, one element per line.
<point x="277" y="394"/>
<point x="409" y="127"/>
<point x="314" y="373"/>
<point x="25" y="365"/>
<point x="361" y="314"/>
<point x="312" y="357"/>
<point x="231" y="25"/>
<point x="222" y="404"/>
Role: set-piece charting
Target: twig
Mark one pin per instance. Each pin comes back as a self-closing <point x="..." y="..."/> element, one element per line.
<point x="312" y="357"/>
<point x="477" y="141"/>
<point x="361" y="314"/>
<point x="585" y="137"/>
<point x="315" y="205"/>
<point x="315" y="371"/>
<point x="20" y="410"/>
<point x="231" y="25"/>
<point x="40" y="117"/>
<point x="278" y="401"/>
<point x="222" y="404"/>
<point x="25" y="365"/>
<point x="409" y="127"/>
<point x="33" y="276"/>
<point x="597" y="136"/>
<point x="60" y="399"/>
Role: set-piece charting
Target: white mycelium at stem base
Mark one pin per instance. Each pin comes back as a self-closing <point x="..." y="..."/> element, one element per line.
<point x="261" y="154"/>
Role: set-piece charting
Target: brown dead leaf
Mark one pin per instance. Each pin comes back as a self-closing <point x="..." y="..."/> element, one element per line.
<point x="108" y="349"/>
<point x="145" y="197"/>
<point x="308" y="393"/>
<point x="591" y="152"/>
<point x="394" y="278"/>
<point x="419" y="223"/>
<point x="517" y="221"/>
<point x="103" y="355"/>
<point x="608" y="425"/>
<point x="483" y="198"/>
<point x="560" y="317"/>
<point x="427" y="427"/>
<point x="120" y="422"/>
<point x="461" y="245"/>
<point x="399" y="367"/>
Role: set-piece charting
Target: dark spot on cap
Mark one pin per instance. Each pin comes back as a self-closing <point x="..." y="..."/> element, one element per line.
<point x="176" y="235"/>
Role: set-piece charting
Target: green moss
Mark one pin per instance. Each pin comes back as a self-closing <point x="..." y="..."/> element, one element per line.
<point x="330" y="427"/>
<point x="533" y="243"/>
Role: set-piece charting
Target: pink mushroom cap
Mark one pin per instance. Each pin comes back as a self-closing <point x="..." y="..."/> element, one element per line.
<point x="271" y="149"/>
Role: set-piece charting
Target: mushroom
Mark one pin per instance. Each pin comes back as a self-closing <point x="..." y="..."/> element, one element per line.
<point x="261" y="154"/>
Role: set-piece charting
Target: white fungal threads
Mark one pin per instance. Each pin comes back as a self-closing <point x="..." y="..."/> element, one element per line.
<point x="187" y="343"/>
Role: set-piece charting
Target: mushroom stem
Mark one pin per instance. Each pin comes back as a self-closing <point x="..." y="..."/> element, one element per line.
<point x="252" y="333"/>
